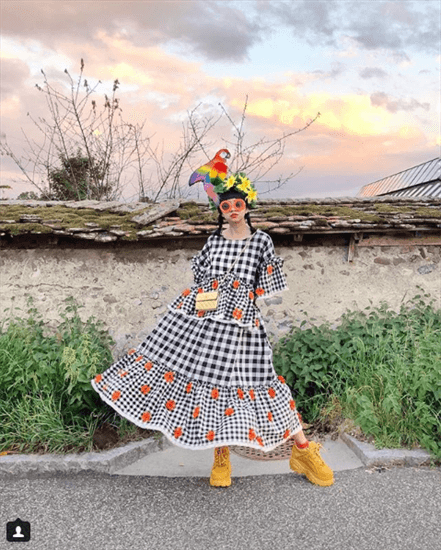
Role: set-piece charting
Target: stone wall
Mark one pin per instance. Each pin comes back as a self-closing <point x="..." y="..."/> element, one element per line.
<point x="129" y="288"/>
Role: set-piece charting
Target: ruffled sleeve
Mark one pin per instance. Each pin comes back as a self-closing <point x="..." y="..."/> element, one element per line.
<point x="200" y="263"/>
<point x="270" y="278"/>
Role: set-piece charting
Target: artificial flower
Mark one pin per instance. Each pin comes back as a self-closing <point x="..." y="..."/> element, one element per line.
<point x="116" y="395"/>
<point x="169" y="376"/>
<point x="170" y="404"/>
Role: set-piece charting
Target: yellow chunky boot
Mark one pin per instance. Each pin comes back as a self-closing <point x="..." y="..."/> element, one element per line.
<point x="221" y="471"/>
<point x="309" y="462"/>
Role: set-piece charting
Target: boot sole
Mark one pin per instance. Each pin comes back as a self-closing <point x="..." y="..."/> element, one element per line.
<point x="220" y="483"/>
<point x="298" y="468"/>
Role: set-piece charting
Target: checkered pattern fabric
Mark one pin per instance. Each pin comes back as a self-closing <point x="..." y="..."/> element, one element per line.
<point x="208" y="381"/>
<point x="257" y="274"/>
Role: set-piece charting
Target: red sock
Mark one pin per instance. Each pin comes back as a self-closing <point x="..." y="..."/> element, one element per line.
<point x="302" y="445"/>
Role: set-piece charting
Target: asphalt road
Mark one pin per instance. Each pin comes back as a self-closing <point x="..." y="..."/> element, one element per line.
<point x="393" y="509"/>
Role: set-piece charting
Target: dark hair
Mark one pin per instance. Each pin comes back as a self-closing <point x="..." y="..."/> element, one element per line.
<point x="220" y="221"/>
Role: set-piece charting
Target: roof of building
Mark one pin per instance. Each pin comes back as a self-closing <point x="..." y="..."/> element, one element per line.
<point x="105" y="222"/>
<point x="418" y="181"/>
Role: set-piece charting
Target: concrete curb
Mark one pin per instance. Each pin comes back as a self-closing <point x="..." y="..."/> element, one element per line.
<point x="108" y="462"/>
<point x="370" y="456"/>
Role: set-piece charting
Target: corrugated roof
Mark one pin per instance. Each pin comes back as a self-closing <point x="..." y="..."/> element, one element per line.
<point x="408" y="183"/>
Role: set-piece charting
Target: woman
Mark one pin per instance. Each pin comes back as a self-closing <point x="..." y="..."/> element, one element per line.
<point x="204" y="375"/>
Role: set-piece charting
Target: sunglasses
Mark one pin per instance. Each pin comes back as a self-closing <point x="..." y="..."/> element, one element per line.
<point x="226" y="206"/>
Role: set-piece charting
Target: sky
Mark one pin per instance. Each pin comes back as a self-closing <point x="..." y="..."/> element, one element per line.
<point x="370" y="68"/>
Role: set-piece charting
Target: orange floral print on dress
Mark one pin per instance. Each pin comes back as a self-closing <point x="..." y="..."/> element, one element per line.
<point x="105" y="387"/>
<point x="300" y="418"/>
<point x="229" y="411"/>
<point x="252" y="396"/>
<point x="237" y="313"/>
<point x="186" y="292"/>
<point x="269" y="269"/>
<point x="257" y="322"/>
<point x="188" y="388"/>
<point x="215" y="393"/>
<point x="210" y="435"/>
<point x="260" y="441"/>
<point x="201" y="313"/>
<point x="260" y="291"/>
<point x="178" y="432"/>
<point x="272" y="393"/>
<point x="138" y="359"/>
<point x="169" y="376"/>
<point x="196" y="412"/>
<point x="170" y="404"/>
<point x="131" y="351"/>
<point x="146" y="417"/>
<point x="215" y="284"/>
<point x="270" y="416"/>
<point x="281" y="379"/>
<point x="145" y="389"/>
<point x="251" y="434"/>
<point x="251" y="295"/>
<point x="286" y="434"/>
<point x="148" y="365"/>
<point x="116" y="395"/>
<point x="292" y="404"/>
<point x="179" y="305"/>
<point x="240" y="393"/>
<point x="98" y="377"/>
<point x="200" y="290"/>
<point x="236" y="284"/>
<point x="122" y="373"/>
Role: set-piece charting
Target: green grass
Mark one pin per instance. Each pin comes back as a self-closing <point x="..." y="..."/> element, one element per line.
<point x="379" y="368"/>
<point x="47" y="403"/>
<point x="382" y="368"/>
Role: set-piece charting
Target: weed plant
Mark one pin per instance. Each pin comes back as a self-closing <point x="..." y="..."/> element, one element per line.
<point x="383" y="368"/>
<point x="46" y="400"/>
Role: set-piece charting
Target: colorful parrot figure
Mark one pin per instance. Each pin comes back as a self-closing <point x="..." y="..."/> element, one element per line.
<point x="216" y="167"/>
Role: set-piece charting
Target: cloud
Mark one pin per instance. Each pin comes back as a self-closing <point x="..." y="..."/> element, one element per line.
<point x="214" y="30"/>
<point x="393" y="26"/>
<point x="380" y="99"/>
<point x="14" y="73"/>
<point x="372" y="72"/>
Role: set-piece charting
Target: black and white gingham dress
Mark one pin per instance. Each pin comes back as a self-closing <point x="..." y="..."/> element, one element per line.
<point x="206" y="379"/>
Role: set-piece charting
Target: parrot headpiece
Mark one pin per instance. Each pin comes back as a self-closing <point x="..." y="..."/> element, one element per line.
<point x="213" y="175"/>
<point x="237" y="184"/>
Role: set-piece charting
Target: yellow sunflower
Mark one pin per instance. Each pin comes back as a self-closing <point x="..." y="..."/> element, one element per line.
<point x="229" y="183"/>
<point x="251" y="195"/>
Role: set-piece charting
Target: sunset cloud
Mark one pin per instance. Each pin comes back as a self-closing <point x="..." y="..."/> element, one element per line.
<point x="369" y="68"/>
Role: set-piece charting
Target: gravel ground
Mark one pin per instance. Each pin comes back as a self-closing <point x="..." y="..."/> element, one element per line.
<point x="397" y="509"/>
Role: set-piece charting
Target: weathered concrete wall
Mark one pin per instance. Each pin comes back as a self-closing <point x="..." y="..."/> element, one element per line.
<point x="129" y="289"/>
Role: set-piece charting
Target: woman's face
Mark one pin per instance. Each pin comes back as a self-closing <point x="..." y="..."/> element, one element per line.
<point x="236" y="215"/>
